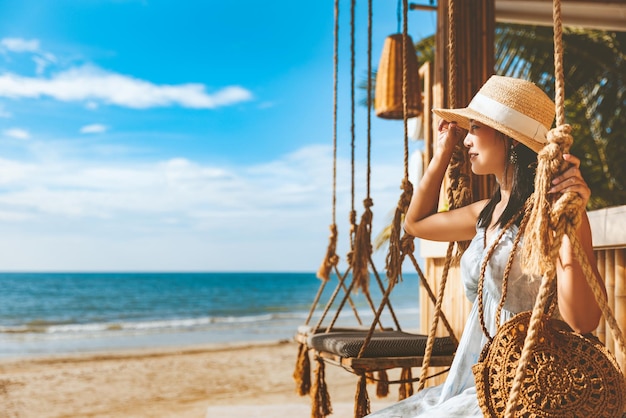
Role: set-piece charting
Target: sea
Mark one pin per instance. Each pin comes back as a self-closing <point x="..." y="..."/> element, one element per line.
<point x="69" y="313"/>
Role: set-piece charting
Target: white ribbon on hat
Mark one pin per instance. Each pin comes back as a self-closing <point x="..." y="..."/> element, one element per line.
<point x="509" y="117"/>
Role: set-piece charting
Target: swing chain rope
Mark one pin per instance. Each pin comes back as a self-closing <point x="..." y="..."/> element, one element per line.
<point x="332" y="259"/>
<point x="454" y="174"/>
<point x="551" y="221"/>
<point x="363" y="242"/>
<point x="394" y="255"/>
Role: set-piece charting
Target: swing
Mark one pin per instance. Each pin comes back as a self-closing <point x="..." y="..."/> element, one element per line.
<point x="368" y="351"/>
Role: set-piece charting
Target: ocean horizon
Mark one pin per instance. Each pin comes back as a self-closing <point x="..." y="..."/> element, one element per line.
<point x="69" y="313"/>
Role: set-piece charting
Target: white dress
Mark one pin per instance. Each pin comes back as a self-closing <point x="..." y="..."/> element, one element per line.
<point x="456" y="397"/>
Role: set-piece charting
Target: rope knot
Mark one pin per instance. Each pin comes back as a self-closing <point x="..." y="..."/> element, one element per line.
<point x="405" y="198"/>
<point x="352" y="219"/>
<point x="551" y="217"/>
<point x="407" y="244"/>
<point x="331" y="259"/>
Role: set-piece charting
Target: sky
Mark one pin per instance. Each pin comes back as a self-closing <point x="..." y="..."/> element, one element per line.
<point x="189" y="135"/>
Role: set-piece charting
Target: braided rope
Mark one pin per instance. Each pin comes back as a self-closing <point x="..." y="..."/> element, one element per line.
<point x="430" y="342"/>
<point x="452" y="53"/>
<point x="331" y="259"/>
<point x="363" y="243"/>
<point x="431" y="295"/>
<point x="458" y="193"/>
<point x="551" y="223"/>
<point x="394" y="254"/>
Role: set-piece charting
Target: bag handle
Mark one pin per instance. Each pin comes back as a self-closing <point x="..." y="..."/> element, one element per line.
<point x="524" y="212"/>
<point x="507" y="270"/>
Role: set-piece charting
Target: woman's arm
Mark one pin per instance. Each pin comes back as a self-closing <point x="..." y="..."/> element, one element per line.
<point x="422" y="219"/>
<point x="577" y="302"/>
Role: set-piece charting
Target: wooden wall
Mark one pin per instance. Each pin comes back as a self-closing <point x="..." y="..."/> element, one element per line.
<point x="612" y="266"/>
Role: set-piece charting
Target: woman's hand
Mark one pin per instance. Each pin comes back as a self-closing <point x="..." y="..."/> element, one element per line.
<point x="571" y="180"/>
<point x="449" y="135"/>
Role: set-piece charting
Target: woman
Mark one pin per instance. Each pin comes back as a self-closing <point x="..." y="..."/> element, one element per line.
<point x="506" y="123"/>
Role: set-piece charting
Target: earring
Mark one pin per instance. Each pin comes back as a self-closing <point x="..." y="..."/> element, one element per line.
<point x="512" y="155"/>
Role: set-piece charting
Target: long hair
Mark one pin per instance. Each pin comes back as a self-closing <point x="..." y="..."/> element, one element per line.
<point x="522" y="186"/>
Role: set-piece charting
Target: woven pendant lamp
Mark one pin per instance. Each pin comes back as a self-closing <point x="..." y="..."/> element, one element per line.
<point x="388" y="95"/>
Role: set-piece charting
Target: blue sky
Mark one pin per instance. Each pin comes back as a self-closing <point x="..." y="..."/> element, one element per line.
<point x="156" y="135"/>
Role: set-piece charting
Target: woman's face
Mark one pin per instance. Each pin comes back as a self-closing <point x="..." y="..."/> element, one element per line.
<point x="486" y="149"/>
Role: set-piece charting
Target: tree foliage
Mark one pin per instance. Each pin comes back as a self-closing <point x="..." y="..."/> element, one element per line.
<point x="594" y="65"/>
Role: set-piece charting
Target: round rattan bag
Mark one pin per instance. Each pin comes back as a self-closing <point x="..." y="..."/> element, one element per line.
<point x="569" y="375"/>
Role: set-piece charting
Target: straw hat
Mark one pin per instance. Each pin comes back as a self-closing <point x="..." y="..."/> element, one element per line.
<point x="517" y="108"/>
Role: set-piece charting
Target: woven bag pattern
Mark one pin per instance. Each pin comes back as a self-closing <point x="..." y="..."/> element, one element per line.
<point x="570" y="375"/>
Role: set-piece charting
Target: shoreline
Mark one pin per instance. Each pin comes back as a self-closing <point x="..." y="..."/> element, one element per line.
<point x="240" y="379"/>
<point x="127" y="353"/>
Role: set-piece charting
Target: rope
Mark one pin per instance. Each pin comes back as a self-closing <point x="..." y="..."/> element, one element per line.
<point x="363" y="250"/>
<point x="431" y="295"/>
<point x="331" y="259"/>
<point x="405" y="84"/>
<point x="551" y="221"/>
<point x="430" y="342"/>
<point x="452" y="53"/>
<point x="559" y="98"/>
<point x="505" y="275"/>
<point x="363" y="242"/>
<point x="458" y="193"/>
<point x="302" y="372"/>
<point x="394" y="254"/>
<point x="352" y="117"/>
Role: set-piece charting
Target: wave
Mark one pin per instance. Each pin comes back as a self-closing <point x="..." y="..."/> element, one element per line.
<point x="177" y="324"/>
<point x="40" y="327"/>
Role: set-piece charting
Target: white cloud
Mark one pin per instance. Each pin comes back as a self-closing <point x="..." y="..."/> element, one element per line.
<point x="20" y="45"/>
<point x="89" y="83"/>
<point x="16" y="133"/>
<point x="41" y="58"/>
<point x="40" y="64"/>
<point x="95" y="128"/>
<point x="179" y="214"/>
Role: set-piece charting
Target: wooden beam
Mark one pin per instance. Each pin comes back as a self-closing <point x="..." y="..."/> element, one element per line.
<point x="382" y="363"/>
<point x="603" y="15"/>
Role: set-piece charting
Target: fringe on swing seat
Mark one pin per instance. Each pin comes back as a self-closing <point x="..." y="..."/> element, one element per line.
<point x="361" y="399"/>
<point x="302" y="372"/>
<point x="321" y="405"/>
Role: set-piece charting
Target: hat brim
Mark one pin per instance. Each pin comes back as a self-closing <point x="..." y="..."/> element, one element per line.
<point x="463" y="116"/>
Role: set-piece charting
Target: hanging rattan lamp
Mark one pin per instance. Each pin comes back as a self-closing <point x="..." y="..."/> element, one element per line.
<point x="388" y="95"/>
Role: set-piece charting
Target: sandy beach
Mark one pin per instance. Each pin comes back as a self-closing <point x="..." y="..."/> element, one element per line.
<point x="237" y="380"/>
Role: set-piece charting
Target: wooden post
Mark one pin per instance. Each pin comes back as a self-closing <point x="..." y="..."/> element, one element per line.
<point x="601" y="330"/>
<point x="620" y="297"/>
<point x="609" y="280"/>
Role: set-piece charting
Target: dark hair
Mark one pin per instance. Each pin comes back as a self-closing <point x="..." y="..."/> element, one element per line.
<point x="523" y="185"/>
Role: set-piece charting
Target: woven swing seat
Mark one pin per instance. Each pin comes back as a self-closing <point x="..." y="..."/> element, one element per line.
<point x="305" y="331"/>
<point x="385" y="350"/>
